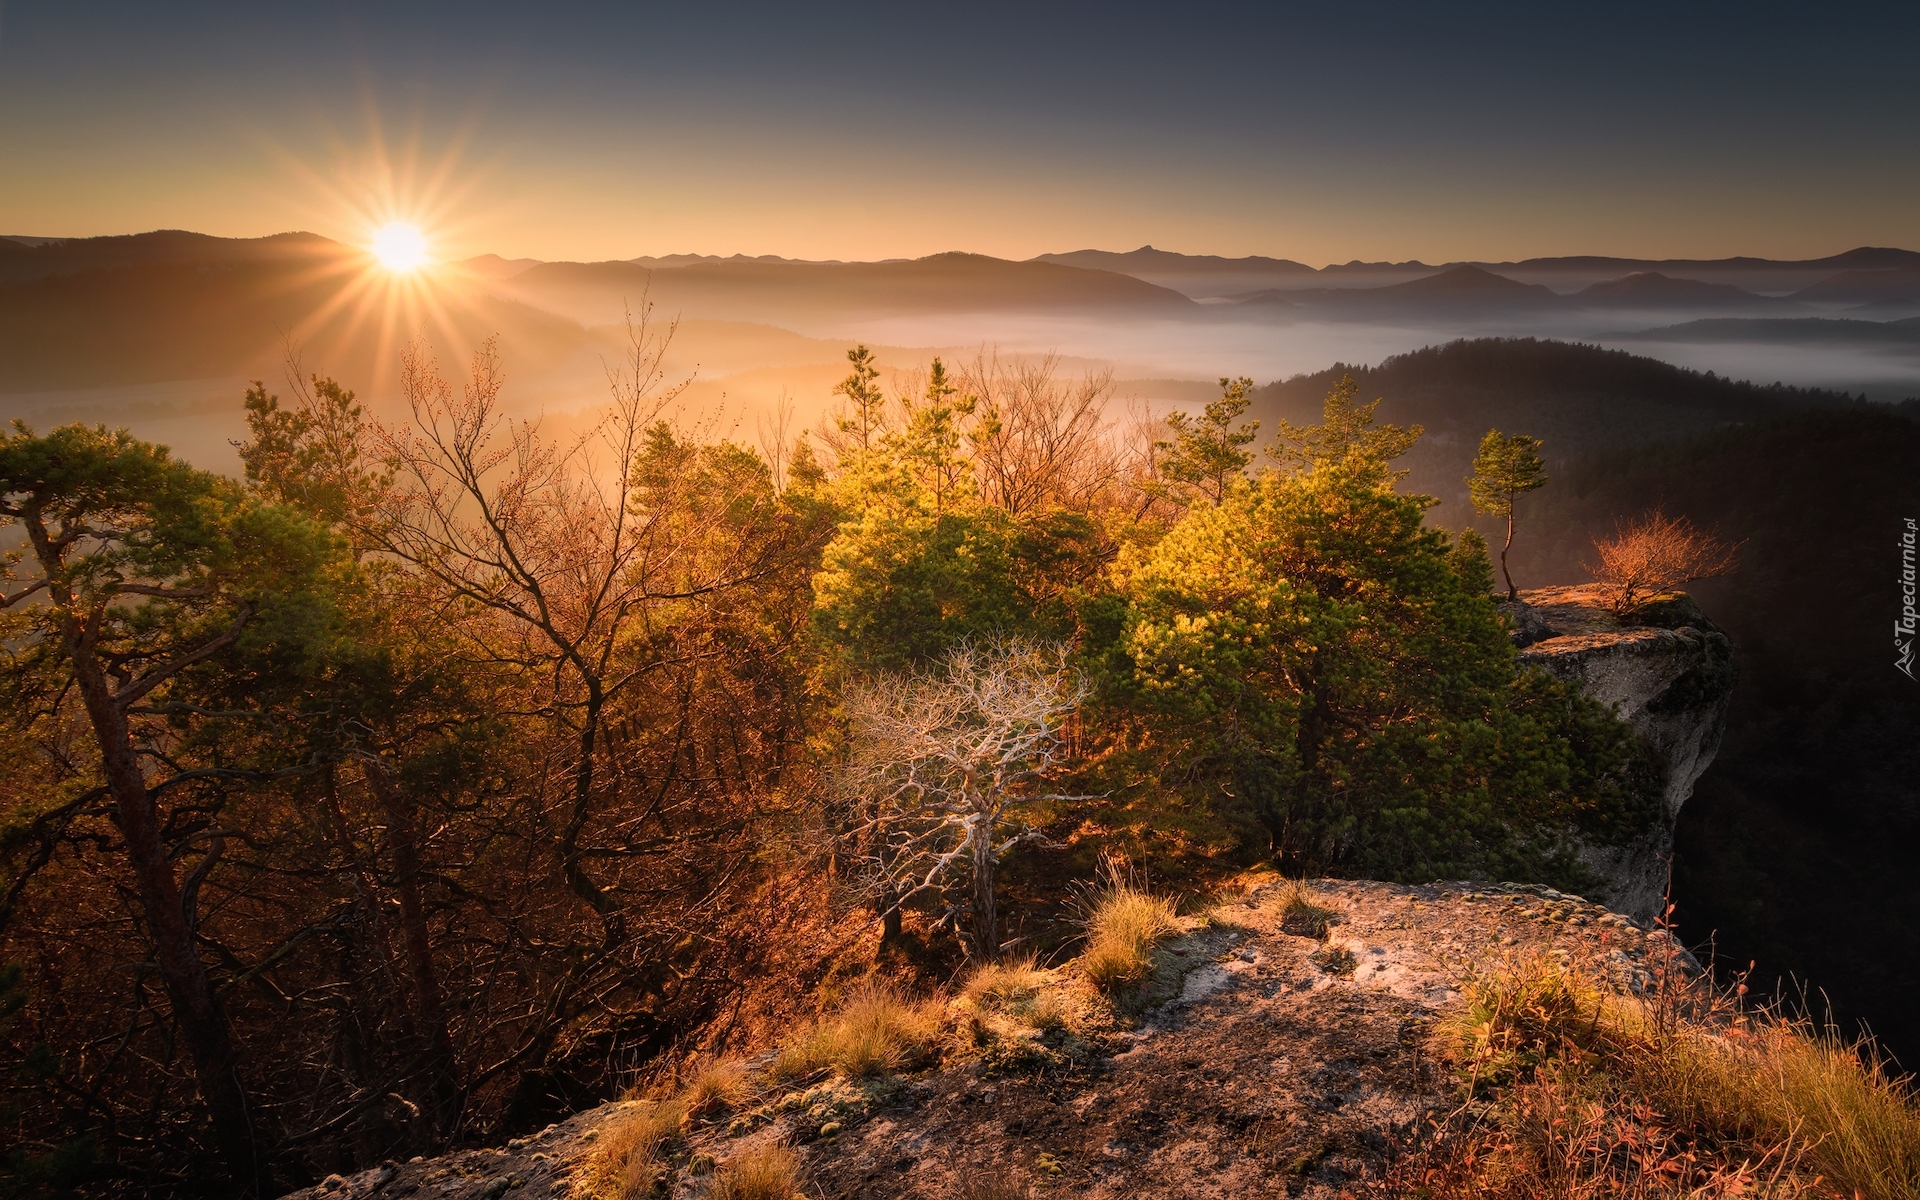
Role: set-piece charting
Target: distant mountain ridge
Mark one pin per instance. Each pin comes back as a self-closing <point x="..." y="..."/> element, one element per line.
<point x="805" y="294"/>
<point x="1651" y="289"/>
<point x="73" y="255"/>
<point x="1464" y="289"/>
<point x="1211" y="275"/>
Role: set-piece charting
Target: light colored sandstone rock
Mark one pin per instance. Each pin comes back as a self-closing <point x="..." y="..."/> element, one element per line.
<point x="1668" y="671"/>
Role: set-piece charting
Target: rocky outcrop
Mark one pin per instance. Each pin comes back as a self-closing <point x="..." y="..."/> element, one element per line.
<point x="1668" y="671"/>
<point x="1270" y="1063"/>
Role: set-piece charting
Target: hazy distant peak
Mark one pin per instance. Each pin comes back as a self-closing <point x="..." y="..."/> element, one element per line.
<point x="177" y="246"/>
<point x="1146" y="258"/>
<point x="1357" y="264"/>
<point x="492" y="266"/>
<point x="1468" y="280"/>
<point x="1866" y="285"/>
<point x="1653" y="287"/>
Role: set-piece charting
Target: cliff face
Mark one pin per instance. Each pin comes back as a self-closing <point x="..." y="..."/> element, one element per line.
<point x="1668" y="671"/>
<point x="1266" y="1062"/>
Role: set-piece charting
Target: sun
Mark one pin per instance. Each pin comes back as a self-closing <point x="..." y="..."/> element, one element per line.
<point x="400" y="248"/>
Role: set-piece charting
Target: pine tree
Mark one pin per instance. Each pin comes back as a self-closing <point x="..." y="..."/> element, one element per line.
<point x="1505" y="468"/>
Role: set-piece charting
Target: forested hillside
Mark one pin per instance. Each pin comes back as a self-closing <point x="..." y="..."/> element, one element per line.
<point x="1579" y="399"/>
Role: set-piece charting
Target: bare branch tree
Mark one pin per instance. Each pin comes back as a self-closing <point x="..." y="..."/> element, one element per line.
<point x="556" y="555"/>
<point x="1656" y="554"/>
<point x="1039" y="441"/>
<point x="943" y="764"/>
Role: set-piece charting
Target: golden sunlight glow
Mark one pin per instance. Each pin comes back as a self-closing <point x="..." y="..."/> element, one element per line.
<point x="400" y="248"/>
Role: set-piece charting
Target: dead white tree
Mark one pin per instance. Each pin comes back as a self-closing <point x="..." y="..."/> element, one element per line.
<point x="945" y="764"/>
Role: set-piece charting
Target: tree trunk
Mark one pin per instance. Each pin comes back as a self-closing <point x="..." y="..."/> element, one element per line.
<point x="986" y="929"/>
<point x="202" y="1025"/>
<point x="1513" y="593"/>
<point x="613" y="924"/>
<point x="404" y="831"/>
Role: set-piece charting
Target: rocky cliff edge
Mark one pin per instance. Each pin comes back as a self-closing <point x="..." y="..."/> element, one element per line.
<point x="1668" y="671"/>
<point x="1268" y="1063"/>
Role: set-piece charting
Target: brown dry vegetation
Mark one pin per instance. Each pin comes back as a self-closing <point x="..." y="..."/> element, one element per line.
<point x="1124" y="922"/>
<point x="1655" y="554"/>
<point x="1574" y="1091"/>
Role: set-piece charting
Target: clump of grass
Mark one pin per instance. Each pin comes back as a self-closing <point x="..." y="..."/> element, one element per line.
<point x="1677" y="1094"/>
<point x="878" y="1031"/>
<point x="1531" y="1012"/>
<point x="1299" y="915"/>
<point x="1776" y="1079"/>
<point x="626" y="1164"/>
<point x="762" y="1173"/>
<point x="1023" y="991"/>
<point x="1123" y="921"/>
<point x="716" y="1087"/>
<point x="1002" y="985"/>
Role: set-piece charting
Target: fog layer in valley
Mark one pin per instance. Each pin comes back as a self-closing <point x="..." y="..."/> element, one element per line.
<point x="162" y="332"/>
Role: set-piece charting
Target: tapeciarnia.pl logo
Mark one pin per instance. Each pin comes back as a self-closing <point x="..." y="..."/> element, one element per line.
<point x="1903" y="628"/>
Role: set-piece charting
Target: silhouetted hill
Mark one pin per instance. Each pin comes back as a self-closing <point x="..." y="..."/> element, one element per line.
<point x="1580" y="399"/>
<point x="1652" y="290"/>
<point x="1864" y="287"/>
<point x="1787" y="330"/>
<point x="681" y="260"/>
<point x="1569" y="273"/>
<point x="806" y="294"/>
<point x="158" y="321"/>
<point x="492" y="266"/>
<point x="1195" y="275"/>
<point x="162" y="246"/>
<point x="1796" y="849"/>
<point x="1373" y="274"/>
<point x="1206" y="275"/>
<point x="1458" y="291"/>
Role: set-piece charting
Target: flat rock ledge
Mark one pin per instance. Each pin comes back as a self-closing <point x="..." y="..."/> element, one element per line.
<point x="1261" y="1072"/>
<point x="1668" y="671"/>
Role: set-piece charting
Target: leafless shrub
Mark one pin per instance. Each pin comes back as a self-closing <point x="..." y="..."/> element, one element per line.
<point x="1657" y="553"/>
<point x="943" y="760"/>
<point x="1040" y="441"/>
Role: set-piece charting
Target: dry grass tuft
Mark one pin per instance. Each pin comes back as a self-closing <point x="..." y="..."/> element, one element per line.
<point x="762" y="1173"/>
<point x="626" y="1164"/>
<point x="1678" y="1094"/>
<point x="1024" y="991"/>
<point x="1124" y="921"/>
<point x="877" y="1031"/>
<point x="1335" y="959"/>
<point x="1300" y="916"/>
<point x="1516" y="1020"/>
<point x="716" y="1087"/>
<point x="1003" y="985"/>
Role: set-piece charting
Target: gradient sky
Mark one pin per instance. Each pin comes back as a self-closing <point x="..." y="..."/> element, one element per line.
<point x="1321" y="133"/>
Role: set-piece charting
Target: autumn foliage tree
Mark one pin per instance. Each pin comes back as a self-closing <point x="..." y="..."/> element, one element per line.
<point x="1656" y="553"/>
